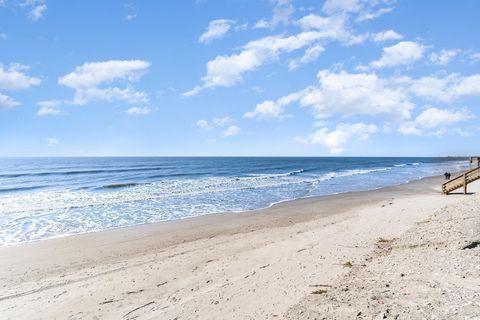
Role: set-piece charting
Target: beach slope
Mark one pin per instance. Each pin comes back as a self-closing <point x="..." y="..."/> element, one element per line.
<point x="396" y="251"/>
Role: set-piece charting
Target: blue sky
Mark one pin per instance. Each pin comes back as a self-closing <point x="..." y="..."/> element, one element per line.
<point x="266" y="77"/>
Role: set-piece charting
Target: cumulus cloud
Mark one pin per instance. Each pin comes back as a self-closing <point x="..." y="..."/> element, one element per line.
<point x="216" y="29"/>
<point x="49" y="108"/>
<point x="92" y="74"/>
<point x="273" y="109"/>
<point x="265" y="110"/>
<point x="334" y="140"/>
<point x="446" y="88"/>
<point x="404" y="52"/>
<point x="90" y="81"/>
<point x="14" y="78"/>
<point x="387" y="36"/>
<point x="347" y="94"/>
<point x="133" y="111"/>
<point x="7" y="102"/>
<point x="443" y="57"/>
<point x="232" y="131"/>
<point x="226" y="71"/>
<point x="434" y="121"/>
<point x="331" y="27"/>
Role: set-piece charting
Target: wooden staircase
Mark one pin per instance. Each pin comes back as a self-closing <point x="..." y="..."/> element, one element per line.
<point x="461" y="181"/>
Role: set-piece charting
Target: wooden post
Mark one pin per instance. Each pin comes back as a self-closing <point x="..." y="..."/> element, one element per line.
<point x="464" y="183"/>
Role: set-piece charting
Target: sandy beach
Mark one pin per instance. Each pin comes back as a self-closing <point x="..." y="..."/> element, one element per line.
<point x="404" y="252"/>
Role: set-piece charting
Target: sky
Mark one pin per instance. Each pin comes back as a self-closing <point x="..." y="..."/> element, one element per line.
<point x="239" y="78"/>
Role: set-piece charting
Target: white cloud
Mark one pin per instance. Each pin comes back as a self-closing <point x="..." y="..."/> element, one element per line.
<point x="111" y="94"/>
<point x="203" y="124"/>
<point x="222" y="121"/>
<point x="310" y="55"/>
<point x="446" y="88"/>
<point x="282" y="13"/>
<point x="370" y="15"/>
<point x="6" y="102"/>
<point x="467" y="86"/>
<point x="261" y="24"/>
<point x="49" y="108"/>
<point x="349" y="94"/>
<point x="404" y="52"/>
<point x="335" y="6"/>
<point x="334" y="140"/>
<point x="266" y="110"/>
<point x="133" y="111"/>
<point x="52" y="142"/>
<point x="443" y="57"/>
<point x="37" y="9"/>
<point x="130" y="17"/>
<point x="232" y="131"/>
<point x="434" y="121"/>
<point x="366" y="10"/>
<point x="131" y="12"/>
<point x="226" y="71"/>
<point x="354" y="94"/>
<point x="14" y="78"/>
<point x="332" y="27"/>
<point x="86" y="81"/>
<point x="216" y="29"/>
<point x="273" y="109"/>
<point x="257" y="89"/>
<point x="474" y="57"/>
<point x="219" y="122"/>
<point x="92" y="74"/>
<point x="386" y="36"/>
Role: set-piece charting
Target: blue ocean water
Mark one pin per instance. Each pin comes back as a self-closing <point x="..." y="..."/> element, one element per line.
<point x="50" y="197"/>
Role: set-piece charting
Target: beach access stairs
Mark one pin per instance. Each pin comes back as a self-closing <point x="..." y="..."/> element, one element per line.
<point x="461" y="181"/>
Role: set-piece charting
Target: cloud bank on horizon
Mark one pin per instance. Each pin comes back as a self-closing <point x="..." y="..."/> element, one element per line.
<point x="335" y="76"/>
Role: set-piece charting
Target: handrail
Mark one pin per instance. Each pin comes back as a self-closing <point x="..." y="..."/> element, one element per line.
<point x="460" y="176"/>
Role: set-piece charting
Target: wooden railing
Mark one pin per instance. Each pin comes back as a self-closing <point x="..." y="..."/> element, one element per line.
<point x="461" y="181"/>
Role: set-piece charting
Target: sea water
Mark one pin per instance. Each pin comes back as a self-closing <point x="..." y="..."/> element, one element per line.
<point x="50" y="197"/>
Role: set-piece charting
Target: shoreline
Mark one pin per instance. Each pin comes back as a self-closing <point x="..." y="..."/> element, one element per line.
<point x="255" y="264"/>
<point x="258" y="211"/>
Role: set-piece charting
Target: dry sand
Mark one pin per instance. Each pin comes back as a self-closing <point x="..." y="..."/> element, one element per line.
<point x="394" y="252"/>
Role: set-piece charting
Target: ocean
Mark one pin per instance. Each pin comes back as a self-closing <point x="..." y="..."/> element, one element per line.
<point x="43" y="198"/>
